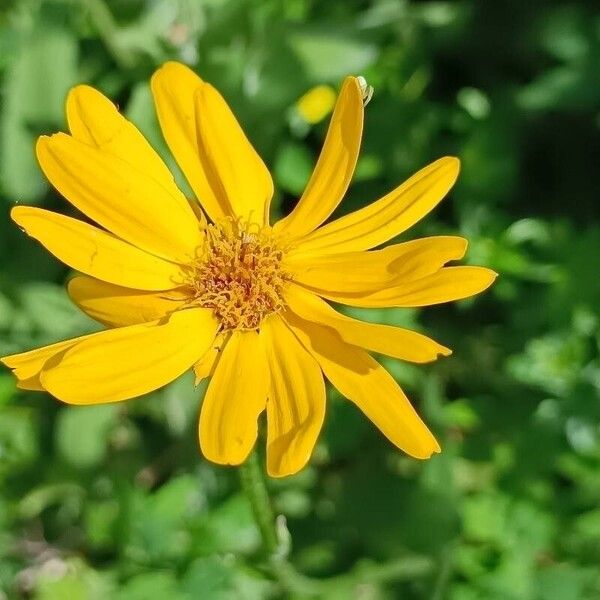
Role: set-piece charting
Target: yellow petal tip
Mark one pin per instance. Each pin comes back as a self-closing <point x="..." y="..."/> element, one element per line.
<point x="280" y="474"/>
<point x="19" y="215"/>
<point x="173" y="64"/>
<point x="454" y="160"/>
<point x="426" y="454"/>
<point x="452" y="163"/>
<point x="434" y="449"/>
<point x="14" y="213"/>
<point x="443" y="351"/>
<point x="43" y="140"/>
<point x="492" y="276"/>
<point x="43" y="144"/>
<point x="171" y="68"/>
<point x="81" y="88"/>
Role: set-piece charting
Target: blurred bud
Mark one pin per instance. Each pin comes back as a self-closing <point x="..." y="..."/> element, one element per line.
<point x="316" y="104"/>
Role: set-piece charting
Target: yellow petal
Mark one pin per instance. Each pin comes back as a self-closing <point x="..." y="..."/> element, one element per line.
<point x="206" y="365"/>
<point x="389" y="216"/>
<point x="447" y="285"/>
<point x="116" y="306"/>
<point x="27" y="366"/>
<point x="374" y="270"/>
<point x="95" y="120"/>
<point x="383" y="339"/>
<point x="236" y="395"/>
<point x="235" y="171"/>
<point x="33" y="384"/>
<point x="130" y="361"/>
<point x="119" y="197"/>
<point x="174" y="87"/>
<point x="296" y="404"/>
<point x="350" y="272"/>
<point x="335" y="166"/>
<point x="365" y="382"/>
<point x="95" y="252"/>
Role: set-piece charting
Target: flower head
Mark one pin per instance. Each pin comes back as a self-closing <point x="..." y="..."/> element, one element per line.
<point x="239" y="275"/>
<point x="209" y="283"/>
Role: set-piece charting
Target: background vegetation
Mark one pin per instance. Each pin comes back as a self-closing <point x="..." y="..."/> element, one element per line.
<point x="115" y="501"/>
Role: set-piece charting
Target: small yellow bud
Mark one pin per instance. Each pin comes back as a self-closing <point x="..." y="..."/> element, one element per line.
<point x="316" y="104"/>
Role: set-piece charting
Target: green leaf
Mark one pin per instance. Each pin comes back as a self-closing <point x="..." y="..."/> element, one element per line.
<point x="562" y="582"/>
<point x="82" y="433"/>
<point x="18" y="435"/>
<point x="100" y="523"/>
<point x="224" y="579"/>
<point x="330" y="56"/>
<point x="72" y="579"/>
<point x="151" y="586"/>
<point x="35" y="86"/>
<point x="51" y="312"/>
<point x="161" y="521"/>
<point x="293" y="167"/>
<point x="229" y="527"/>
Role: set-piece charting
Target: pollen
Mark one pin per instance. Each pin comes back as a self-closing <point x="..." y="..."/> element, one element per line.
<point x="239" y="274"/>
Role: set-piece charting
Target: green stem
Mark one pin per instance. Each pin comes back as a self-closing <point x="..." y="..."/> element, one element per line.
<point x="276" y="547"/>
<point x="253" y="483"/>
<point x="109" y="33"/>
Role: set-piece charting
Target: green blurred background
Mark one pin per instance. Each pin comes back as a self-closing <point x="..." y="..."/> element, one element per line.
<point x="116" y="502"/>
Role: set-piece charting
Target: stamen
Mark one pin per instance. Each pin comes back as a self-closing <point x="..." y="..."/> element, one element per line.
<point x="238" y="274"/>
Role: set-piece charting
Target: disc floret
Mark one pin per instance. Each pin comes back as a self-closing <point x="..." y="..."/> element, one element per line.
<point x="239" y="274"/>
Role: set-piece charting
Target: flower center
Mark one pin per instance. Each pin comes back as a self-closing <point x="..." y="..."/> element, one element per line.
<point x="239" y="274"/>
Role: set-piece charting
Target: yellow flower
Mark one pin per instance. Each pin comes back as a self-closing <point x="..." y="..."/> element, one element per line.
<point x="316" y="104"/>
<point x="212" y="285"/>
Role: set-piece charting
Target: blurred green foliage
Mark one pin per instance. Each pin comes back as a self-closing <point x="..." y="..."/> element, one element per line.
<point x="115" y="501"/>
